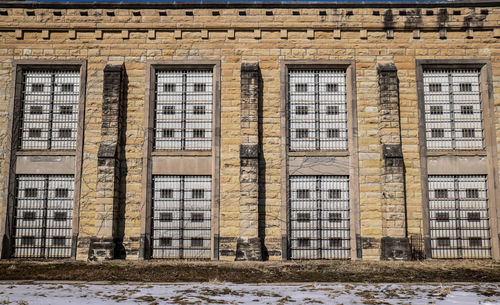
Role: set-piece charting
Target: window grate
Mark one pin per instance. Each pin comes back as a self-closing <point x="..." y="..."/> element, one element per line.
<point x="319" y="221"/>
<point x="181" y="221"/>
<point x="43" y="216"/>
<point x="453" y="110"/>
<point x="459" y="221"/>
<point x="183" y="111"/>
<point x="50" y="110"/>
<point x="317" y="110"/>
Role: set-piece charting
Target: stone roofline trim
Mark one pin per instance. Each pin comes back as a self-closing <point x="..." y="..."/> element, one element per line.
<point x="248" y="4"/>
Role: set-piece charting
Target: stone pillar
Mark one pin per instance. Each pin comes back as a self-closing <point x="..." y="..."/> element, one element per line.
<point x="102" y="245"/>
<point x="249" y="244"/>
<point x="394" y="243"/>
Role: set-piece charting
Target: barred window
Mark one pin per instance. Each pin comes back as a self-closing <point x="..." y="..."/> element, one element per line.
<point x="49" y="110"/>
<point x="319" y="217"/>
<point x="317" y="110"/>
<point x="183" y="116"/>
<point x="453" y="110"/>
<point x="459" y="222"/>
<point x="43" y="216"/>
<point x="181" y="216"/>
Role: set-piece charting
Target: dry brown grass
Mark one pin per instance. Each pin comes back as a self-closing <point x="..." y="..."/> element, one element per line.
<point x="254" y="272"/>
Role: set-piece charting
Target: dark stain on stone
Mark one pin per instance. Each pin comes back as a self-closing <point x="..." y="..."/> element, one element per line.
<point x="414" y="19"/>
<point x="443" y="17"/>
<point x="388" y="19"/>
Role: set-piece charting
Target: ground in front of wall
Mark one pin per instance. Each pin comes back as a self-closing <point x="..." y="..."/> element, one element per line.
<point x="64" y="293"/>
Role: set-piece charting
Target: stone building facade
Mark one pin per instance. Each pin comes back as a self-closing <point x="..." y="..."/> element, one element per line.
<point x="250" y="131"/>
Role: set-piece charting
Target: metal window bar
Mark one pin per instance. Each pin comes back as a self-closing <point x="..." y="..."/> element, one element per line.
<point x="319" y="217"/>
<point x="317" y="110"/>
<point x="181" y="218"/>
<point x="50" y="110"/>
<point x="43" y="216"/>
<point x="183" y="110"/>
<point x="458" y="123"/>
<point x="459" y="220"/>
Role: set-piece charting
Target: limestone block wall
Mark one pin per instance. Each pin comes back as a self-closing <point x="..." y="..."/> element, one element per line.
<point x="115" y="34"/>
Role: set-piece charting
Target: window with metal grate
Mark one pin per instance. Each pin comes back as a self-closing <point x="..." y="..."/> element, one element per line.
<point x="43" y="216"/>
<point x="49" y="110"/>
<point x="319" y="217"/>
<point x="183" y="110"/>
<point x="459" y="222"/>
<point x="453" y="110"/>
<point x="317" y="110"/>
<point x="181" y="217"/>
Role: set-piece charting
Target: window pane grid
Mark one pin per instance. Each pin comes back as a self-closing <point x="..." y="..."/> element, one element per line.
<point x="181" y="218"/>
<point x="459" y="221"/>
<point x="43" y="216"/>
<point x="317" y="110"/>
<point x="183" y="111"/>
<point x="319" y="217"/>
<point x="50" y="110"/>
<point x="453" y="110"/>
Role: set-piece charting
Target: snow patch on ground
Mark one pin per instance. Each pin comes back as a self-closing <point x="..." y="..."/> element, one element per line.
<point x="65" y="293"/>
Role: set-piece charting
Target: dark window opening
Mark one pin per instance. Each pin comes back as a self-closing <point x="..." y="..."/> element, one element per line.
<point x="465" y="87"/>
<point x="31" y="193"/>
<point x="437" y="133"/>
<point x="65" y="110"/>
<point x="467" y="109"/>
<point x="304" y="242"/>
<point x="169" y="87"/>
<point x="443" y="242"/>
<point x="333" y="133"/>
<point x="189" y="13"/>
<point x="335" y="217"/>
<point x="168" y="133"/>
<point x="37" y="88"/>
<point x="475" y="242"/>
<point x="269" y="13"/>
<point x="200" y="87"/>
<point x="166" y="217"/>
<point x="349" y="13"/>
<point x="197" y="217"/>
<point x="402" y="13"/>
<point x="301" y="110"/>
<point x="65" y="133"/>
<point x="166" y="193"/>
<point x="334" y="194"/>
<point x="60" y="216"/>
<point x="468" y="133"/>
<point x="300" y="87"/>
<point x="30" y="13"/>
<point x="436" y="109"/>
<point x="110" y="14"/>
<point x="27" y="240"/>
<point x="303" y="194"/>
<point x="36" y="110"/>
<point x="441" y="193"/>
<point x="165" y="241"/>
<point x="198" y="193"/>
<point x="332" y="87"/>
<point x="136" y="13"/>
<point x="474" y="216"/>
<point x="303" y="217"/>
<point x="302" y="133"/>
<point x="168" y="110"/>
<point x="335" y="242"/>
<point x="242" y="13"/>
<point x="29" y="216"/>
<point x="197" y="242"/>
<point x="435" y="87"/>
<point x="215" y="13"/>
<point x="296" y="13"/>
<point x="442" y="217"/>
<point x="457" y="13"/>
<point x="322" y="13"/>
<point x="429" y="13"/>
<point x="332" y="110"/>
<point x="67" y="87"/>
<point x="61" y="193"/>
<point x="199" y="110"/>
<point x="35" y="133"/>
<point x="162" y="13"/>
<point x="84" y="13"/>
<point x="471" y="193"/>
<point x="376" y="13"/>
<point x="198" y="133"/>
